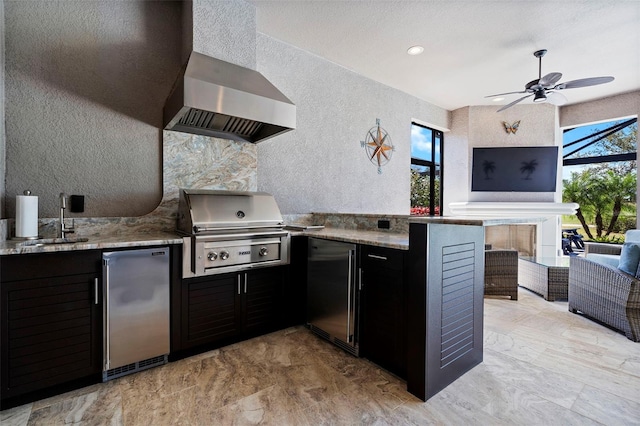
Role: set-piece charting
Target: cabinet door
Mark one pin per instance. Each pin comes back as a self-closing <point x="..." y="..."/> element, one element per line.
<point x="262" y="305"/>
<point x="211" y="309"/>
<point x="51" y="326"/>
<point x="383" y="327"/>
<point x="295" y="287"/>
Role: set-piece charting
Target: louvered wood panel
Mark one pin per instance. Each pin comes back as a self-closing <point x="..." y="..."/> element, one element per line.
<point x="458" y="270"/>
<point x="262" y="300"/>
<point x="49" y="332"/>
<point x="212" y="309"/>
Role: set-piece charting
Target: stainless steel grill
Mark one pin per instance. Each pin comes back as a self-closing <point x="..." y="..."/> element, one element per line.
<point x="229" y="231"/>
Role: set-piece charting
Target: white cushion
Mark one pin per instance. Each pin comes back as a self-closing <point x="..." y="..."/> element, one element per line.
<point x="605" y="259"/>
<point x="632" y="236"/>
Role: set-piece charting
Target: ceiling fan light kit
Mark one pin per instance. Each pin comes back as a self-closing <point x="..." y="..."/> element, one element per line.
<point x="539" y="97"/>
<point x="545" y="89"/>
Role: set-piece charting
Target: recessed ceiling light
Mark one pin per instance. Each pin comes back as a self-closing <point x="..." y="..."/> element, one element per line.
<point x="415" y="50"/>
<point x="497" y="99"/>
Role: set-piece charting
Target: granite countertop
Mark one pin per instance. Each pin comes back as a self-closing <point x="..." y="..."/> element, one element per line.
<point x="121" y="240"/>
<point x="372" y="238"/>
<point x="139" y="238"/>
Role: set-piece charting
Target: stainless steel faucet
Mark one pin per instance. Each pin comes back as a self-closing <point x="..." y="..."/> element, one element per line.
<point x="63" y="205"/>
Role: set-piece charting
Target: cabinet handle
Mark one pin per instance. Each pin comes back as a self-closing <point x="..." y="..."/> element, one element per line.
<point x="359" y="278"/>
<point x="351" y="253"/>
<point x="375" y="256"/>
<point x="96" y="299"/>
<point x="245" y="283"/>
<point x="238" y="283"/>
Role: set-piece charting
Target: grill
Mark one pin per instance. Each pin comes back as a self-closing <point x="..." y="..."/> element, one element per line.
<point x="227" y="231"/>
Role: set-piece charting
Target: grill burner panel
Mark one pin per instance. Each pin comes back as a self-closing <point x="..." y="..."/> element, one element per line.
<point x="216" y="254"/>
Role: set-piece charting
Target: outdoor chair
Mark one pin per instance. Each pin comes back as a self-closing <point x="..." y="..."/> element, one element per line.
<point x="501" y="273"/>
<point x="607" y="294"/>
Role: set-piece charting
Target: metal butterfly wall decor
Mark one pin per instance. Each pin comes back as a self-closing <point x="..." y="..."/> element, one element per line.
<point x="511" y="128"/>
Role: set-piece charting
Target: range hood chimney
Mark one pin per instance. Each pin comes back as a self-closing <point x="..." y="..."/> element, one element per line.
<point x="220" y="99"/>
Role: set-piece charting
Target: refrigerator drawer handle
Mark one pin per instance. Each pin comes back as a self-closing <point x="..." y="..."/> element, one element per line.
<point x="375" y="256"/>
<point x="107" y="332"/>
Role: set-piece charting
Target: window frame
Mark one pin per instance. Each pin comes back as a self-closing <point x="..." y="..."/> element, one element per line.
<point x="432" y="167"/>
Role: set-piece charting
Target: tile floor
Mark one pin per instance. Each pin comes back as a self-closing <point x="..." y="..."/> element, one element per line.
<point x="542" y="365"/>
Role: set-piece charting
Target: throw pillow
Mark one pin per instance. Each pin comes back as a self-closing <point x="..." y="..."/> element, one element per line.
<point x="629" y="258"/>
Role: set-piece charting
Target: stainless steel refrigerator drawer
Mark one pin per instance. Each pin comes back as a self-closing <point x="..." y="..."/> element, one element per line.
<point x="136" y="310"/>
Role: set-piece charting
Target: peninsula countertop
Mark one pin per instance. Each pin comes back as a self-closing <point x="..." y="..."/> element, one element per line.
<point x="357" y="236"/>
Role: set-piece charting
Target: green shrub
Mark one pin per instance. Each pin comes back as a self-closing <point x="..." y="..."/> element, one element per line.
<point x="609" y="239"/>
<point x="624" y="223"/>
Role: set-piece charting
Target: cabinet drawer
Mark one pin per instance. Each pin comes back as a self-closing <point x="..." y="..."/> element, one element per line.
<point x="382" y="257"/>
<point x="46" y="265"/>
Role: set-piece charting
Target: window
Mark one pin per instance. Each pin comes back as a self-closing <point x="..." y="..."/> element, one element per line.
<point x="600" y="174"/>
<point x="426" y="171"/>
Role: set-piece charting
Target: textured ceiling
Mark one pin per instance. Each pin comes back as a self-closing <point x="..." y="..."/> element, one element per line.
<point x="472" y="48"/>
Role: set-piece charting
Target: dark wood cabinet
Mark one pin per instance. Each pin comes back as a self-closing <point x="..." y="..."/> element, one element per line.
<point x="295" y="293"/>
<point x="219" y="308"/>
<point x="262" y="300"/>
<point x="210" y="309"/>
<point x="51" y="315"/>
<point x="383" y="320"/>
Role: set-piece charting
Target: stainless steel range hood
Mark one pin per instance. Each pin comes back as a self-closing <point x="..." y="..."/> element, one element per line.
<point x="220" y="99"/>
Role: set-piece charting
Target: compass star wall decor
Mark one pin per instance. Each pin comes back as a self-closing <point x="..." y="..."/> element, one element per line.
<point x="378" y="146"/>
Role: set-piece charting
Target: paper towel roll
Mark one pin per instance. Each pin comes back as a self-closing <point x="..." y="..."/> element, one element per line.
<point x="26" y="216"/>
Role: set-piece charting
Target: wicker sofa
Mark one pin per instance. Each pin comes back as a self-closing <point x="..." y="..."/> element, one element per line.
<point x="501" y="273"/>
<point x="605" y="293"/>
<point x="609" y="253"/>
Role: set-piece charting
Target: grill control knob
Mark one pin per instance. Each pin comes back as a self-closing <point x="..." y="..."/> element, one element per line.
<point x="224" y="255"/>
<point x="212" y="255"/>
<point x="263" y="251"/>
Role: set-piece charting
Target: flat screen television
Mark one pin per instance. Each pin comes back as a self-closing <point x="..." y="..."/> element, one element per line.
<point x="515" y="169"/>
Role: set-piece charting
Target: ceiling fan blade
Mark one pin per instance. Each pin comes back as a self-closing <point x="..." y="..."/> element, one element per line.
<point x="514" y="102"/>
<point x="502" y="94"/>
<point x="583" y="82"/>
<point x="556" y="98"/>
<point x="550" y="79"/>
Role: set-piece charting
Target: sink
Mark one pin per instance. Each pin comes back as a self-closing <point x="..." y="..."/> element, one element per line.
<point x="52" y="241"/>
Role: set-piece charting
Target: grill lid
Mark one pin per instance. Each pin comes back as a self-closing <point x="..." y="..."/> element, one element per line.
<point x="202" y="211"/>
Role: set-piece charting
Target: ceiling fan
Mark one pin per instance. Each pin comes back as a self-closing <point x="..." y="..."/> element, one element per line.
<point x="545" y="89"/>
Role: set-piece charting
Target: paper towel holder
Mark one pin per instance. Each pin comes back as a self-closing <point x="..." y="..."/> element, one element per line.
<point x="32" y="237"/>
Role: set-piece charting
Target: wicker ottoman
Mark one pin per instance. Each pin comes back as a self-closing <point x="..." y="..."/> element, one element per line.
<point x="548" y="277"/>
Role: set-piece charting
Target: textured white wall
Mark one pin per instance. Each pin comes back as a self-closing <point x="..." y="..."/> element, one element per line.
<point x="225" y="29"/>
<point x="320" y="166"/>
<point x="481" y="126"/>
<point x="457" y="164"/>
<point x="606" y="109"/>
<point x="85" y="87"/>
<point x="537" y="128"/>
